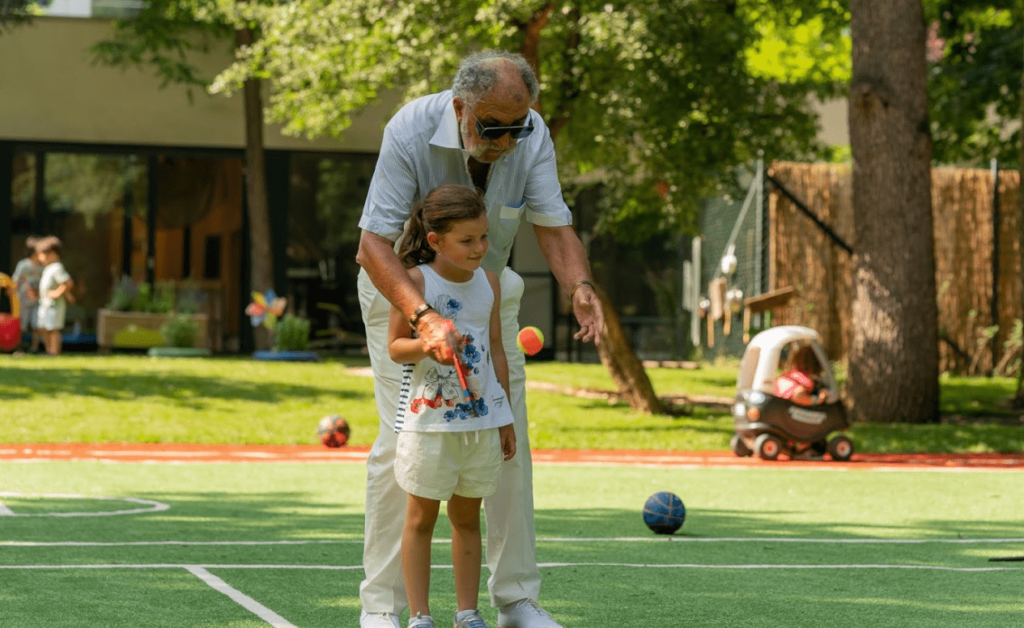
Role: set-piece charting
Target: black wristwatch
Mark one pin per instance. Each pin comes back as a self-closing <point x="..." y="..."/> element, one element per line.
<point x="418" y="314"/>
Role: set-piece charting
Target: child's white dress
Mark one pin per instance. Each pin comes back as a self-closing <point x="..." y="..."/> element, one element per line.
<point x="50" y="315"/>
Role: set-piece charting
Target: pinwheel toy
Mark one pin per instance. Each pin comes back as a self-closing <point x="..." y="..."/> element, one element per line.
<point x="266" y="308"/>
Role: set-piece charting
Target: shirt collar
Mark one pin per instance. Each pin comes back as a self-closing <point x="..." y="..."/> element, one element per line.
<point x="447" y="133"/>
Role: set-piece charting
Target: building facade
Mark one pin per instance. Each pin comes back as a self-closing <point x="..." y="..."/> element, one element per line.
<point x="146" y="182"/>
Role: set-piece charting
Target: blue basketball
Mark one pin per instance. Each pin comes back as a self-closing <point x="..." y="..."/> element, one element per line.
<point x="664" y="513"/>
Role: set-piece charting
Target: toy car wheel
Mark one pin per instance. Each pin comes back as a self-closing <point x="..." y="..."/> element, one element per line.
<point x="840" y="448"/>
<point x="768" y="446"/>
<point x="739" y="447"/>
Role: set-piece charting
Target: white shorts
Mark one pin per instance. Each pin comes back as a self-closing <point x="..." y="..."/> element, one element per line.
<point x="50" y="318"/>
<point x="437" y="465"/>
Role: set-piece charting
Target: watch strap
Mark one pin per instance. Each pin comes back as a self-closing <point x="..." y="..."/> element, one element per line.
<point x="418" y="314"/>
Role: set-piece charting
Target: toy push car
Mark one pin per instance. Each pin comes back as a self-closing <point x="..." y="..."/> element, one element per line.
<point x="769" y="425"/>
<point x="10" y="324"/>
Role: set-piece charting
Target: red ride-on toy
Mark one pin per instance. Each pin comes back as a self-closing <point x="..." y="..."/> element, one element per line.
<point x="10" y="324"/>
<point x="769" y="425"/>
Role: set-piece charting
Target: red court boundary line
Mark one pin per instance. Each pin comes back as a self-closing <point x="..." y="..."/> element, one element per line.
<point x="179" y="453"/>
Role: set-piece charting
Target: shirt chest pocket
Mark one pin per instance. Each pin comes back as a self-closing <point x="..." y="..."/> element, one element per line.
<point x="508" y="223"/>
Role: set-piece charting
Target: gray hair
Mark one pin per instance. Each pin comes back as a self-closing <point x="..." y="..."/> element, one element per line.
<point x="477" y="75"/>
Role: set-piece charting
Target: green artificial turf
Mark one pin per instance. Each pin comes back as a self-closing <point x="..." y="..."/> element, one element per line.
<point x="771" y="547"/>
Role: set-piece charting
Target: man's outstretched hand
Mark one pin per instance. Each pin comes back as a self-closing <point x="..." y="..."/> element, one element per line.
<point x="586" y="305"/>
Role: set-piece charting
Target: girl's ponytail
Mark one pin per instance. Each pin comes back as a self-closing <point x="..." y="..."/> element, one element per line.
<point x="414" y="249"/>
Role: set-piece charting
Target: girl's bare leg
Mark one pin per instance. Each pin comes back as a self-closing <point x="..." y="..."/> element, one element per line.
<point x="420" y="517"/>
<point x="464" y="514"/>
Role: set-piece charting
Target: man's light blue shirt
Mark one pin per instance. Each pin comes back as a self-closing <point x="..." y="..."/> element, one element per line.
<point x="422" y="149"/>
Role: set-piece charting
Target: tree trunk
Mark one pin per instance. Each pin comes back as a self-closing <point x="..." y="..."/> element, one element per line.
<point x="261" y="251"/>
<point x="1018" y="399"/>
<point x="622" y="363"/>
<point x="894" y="354"/>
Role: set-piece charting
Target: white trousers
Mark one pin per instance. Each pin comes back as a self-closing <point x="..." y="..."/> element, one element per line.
<point x="511" y="541"/>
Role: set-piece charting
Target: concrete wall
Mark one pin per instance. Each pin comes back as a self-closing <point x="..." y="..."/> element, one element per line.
<point x="50" y="90"/>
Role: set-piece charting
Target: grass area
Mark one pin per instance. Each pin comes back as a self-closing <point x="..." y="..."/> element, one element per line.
<point x="131" y="398"/>
<point x="755" y="546"/>
<point x="717" y="379"/>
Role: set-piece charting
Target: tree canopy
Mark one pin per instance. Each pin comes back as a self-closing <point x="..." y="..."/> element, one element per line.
<point x="657" y="101"/>
<point x="975" y="82"/>
<point x="16" y="12"/>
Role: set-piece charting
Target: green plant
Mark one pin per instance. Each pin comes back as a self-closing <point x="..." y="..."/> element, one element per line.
<point x="1013" y="352"/>
<point x="123" y="296"/>
<point x="179" y="331"/>
<point x="160" y="300"/>
<point x="291" y="333"/>
<point x="128" y="296"/>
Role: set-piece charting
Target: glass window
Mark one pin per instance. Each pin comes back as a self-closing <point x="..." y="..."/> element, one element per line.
<point x="91" y="203"/>
<point x="327" y="193"/>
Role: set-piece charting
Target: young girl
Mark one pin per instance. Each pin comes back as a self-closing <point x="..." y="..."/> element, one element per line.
<point x="449" y="447"/>
<point x="54" y="294"/>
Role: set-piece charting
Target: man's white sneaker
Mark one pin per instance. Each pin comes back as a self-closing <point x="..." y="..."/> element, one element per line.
<point x="525" y="613"/>
<point x="378" y="620"/>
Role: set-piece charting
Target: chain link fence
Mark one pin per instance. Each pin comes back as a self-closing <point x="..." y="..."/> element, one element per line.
<point x="733" y="263"/>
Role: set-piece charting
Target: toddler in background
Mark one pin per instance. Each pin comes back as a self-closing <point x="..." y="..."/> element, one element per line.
<point x="54" y="290"/>
<point x="26" y="278"/>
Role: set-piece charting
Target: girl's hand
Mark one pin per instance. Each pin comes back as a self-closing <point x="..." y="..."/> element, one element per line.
<point x="508" y="440"/>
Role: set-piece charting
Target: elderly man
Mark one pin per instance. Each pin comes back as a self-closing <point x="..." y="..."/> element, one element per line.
<point x="482" y="132"/>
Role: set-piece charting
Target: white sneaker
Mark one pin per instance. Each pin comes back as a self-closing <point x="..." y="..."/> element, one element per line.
<point x="421" y="621"/>
<point x="469" y="619"/>
<point x="525" y="613"/>
<point x="378" y="620"/>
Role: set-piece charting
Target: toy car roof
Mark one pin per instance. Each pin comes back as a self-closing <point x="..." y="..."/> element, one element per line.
<point x="783" y="335"/>
<point x="761" y="358"/>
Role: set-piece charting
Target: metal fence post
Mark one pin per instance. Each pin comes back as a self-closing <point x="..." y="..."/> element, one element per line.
<point x="995" y="263"/>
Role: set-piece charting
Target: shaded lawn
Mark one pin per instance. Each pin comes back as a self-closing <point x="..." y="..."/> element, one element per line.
<point x="132" y="398"/>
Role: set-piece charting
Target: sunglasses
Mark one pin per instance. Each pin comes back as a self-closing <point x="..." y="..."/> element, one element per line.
<point x="491" y="132"/>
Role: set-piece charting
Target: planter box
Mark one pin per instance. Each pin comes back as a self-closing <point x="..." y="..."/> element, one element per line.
<point x="139" y="330"/>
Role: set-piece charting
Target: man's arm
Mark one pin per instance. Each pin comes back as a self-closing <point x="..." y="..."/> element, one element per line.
<point x="377" y="256"/>
<point x="568" y="261"/>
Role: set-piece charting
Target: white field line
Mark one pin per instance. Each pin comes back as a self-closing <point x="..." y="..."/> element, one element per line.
<point x="151" y="505"/>
<point x="542" y="565"/>
<point x="240" y="598"/>
<point x="663" y="539"/>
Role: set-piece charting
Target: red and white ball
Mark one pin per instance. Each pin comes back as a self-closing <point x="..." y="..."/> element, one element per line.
<point x="333" y="431"/>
